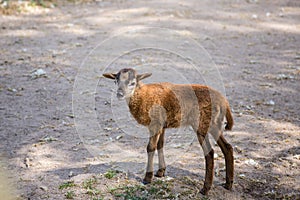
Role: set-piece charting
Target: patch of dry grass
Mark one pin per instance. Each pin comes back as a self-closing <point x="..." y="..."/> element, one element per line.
<point x="116" y="185"/>
<point x="9" y="7"/>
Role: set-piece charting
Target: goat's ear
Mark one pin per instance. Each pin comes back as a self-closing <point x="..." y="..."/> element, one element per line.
<point x="110" y="76"/>
<point x="143" y="76"/>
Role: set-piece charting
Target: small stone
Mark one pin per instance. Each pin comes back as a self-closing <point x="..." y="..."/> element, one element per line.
<point x="294" y="165"/>
<point x="27" y="162"/>
<point x="251" y="162"/>
<point x="107" y="129"/>
<point x="69" y="25"/>
<point x="12" y="90"/>
<point x="253" y="62"/>
<point x="119" y="137"/>
<point x="48" y="139"/>
<point x="270" y="103"/>
<point x="242" y="175"/>
<point x="254" y="16"/>
<point x="216" y="156"/>
<point x="284" y="77"/>
<point x="44" y="188"/>
<point x="71" y="173"/>
<point x="38" y="73"/>
<point x="168" y="178"/>
<point x="238" y="149"/>
<point x="296" y="157"/>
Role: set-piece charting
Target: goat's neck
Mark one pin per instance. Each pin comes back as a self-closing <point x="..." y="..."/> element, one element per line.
<point x="128" y="100"/>
<point x="139" y="85"/>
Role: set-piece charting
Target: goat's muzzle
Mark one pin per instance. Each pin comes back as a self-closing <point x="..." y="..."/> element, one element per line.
<point x="120" y="95"/>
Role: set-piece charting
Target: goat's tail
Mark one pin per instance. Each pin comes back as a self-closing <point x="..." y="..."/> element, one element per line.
<point x="229" y="118"/>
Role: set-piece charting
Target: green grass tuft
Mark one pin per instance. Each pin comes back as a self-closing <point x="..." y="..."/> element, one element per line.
<point x="70" y="195"/>
<point x="110" y="174"/>
<point x="67" y="185"/>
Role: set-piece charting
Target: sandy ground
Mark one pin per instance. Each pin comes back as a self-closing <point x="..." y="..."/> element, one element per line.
<point x="253" y="44"/>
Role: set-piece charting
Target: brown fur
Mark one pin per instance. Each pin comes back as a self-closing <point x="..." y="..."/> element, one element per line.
<point x="164" y="105"/>
<point x="167" y="94"/>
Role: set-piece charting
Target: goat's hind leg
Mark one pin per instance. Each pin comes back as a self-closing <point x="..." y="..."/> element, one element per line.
<point x="209" y="162"/>
<point x="228" y="154"/>
<point x="161" y="159"/>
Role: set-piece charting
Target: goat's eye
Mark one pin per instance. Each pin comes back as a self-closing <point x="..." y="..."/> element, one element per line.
<point x="132" y="84"/>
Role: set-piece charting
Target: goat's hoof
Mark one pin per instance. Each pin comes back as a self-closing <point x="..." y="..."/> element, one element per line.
<point x="160" y="173"/>
<point x="148" y="178"/>
<point x="145" y="182"/>
<point x="228" y="185"/>
<point x="204" y="191"/>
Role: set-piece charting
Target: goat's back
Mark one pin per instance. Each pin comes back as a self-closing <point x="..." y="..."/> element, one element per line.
<point x="182" y="104"/>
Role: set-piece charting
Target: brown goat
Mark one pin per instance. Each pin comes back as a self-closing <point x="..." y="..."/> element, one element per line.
<point x="164" y="105"/>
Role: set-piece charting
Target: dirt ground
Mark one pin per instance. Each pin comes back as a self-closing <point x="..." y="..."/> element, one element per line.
<point x="44" y="154"/>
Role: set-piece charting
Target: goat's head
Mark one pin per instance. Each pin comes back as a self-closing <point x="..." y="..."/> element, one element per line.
<point x="127" y="81"/>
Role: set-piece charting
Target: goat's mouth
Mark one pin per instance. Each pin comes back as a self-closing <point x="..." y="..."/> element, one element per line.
<point x="120" y="96"/>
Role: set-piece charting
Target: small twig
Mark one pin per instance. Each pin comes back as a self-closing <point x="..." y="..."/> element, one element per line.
<point x="62" y="74"/>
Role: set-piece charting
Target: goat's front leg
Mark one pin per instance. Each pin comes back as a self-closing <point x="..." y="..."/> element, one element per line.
<point x="152" y="145"/>
<point x="158" y="117"/>
<point x="161" y="159"/>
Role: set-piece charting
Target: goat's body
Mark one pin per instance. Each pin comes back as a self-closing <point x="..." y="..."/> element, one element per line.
<point x="194" y="105"/>
<point x="165" y="105"/>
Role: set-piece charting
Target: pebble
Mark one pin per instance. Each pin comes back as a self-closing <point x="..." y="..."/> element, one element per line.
<point x="107" y="129"/>
<point x="238" y="149"/>
<point x="284" y="77"/>
<point x="44" y="188"/>
<point x="242" y="175"/>
<point x="270" y="103"/>
<point x="27" y="162"/>
<point x="71" y="173"/>
<point x="251" y="162"/>
<point x="38" y="73"/>
<point x="119" y="137"/>
<point x="216" y="156"/>
<point x="254" y="16"/>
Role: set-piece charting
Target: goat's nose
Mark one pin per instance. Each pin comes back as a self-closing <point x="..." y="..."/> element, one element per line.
<point x="120" y="94"/>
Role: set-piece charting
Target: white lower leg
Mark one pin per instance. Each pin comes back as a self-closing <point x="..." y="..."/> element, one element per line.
<point x="150" y="161"/>
<point x="161" y="159"/>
